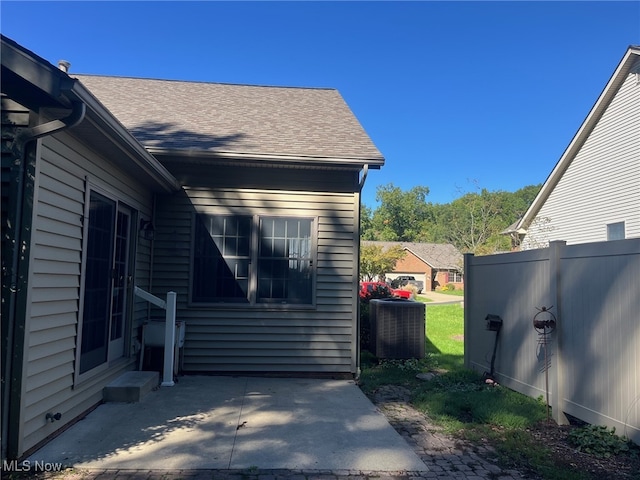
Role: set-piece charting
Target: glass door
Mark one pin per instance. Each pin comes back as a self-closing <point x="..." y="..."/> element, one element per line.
<point x="106" y="282"/>
<point x="121" y="277"/>
<point x="97" y="287"/>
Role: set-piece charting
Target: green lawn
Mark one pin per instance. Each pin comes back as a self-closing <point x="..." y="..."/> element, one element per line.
<point x="444" y="331"/>
<point x="460" y="402"/>
<point x="455" y="293"/>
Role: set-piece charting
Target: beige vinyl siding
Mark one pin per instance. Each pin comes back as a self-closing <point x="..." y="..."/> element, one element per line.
<point x="55" y="280"/>
<point x="602" y="184"/>
<point x="257" y="338"/>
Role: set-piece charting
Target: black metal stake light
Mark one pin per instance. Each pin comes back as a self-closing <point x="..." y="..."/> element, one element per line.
<point x="545" y="322"/>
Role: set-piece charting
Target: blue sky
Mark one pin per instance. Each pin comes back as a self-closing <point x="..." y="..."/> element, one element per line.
<point x="454" y="94"/>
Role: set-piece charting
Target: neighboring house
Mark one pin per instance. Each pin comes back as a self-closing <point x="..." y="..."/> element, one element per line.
<point x="243" y="200"/>
<point x="593" y="192"/>
<point x="435" y="264"/>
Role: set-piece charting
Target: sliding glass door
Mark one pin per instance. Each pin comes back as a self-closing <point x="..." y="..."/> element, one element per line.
<point x="106" y="282"/>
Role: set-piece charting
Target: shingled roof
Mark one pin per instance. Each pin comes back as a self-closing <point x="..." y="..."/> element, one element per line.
<point x="441" y="256"/>
<point x="245" y="120"/>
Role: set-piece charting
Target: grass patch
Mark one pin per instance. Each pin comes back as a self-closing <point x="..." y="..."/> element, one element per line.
<point x="462" y="400"/>
<point x="454" y="293"/>
<point x="445" y="341"/>
<point x="421" y="298"/>
<point x="394" y="372"/>
<point x="461" y="403"/>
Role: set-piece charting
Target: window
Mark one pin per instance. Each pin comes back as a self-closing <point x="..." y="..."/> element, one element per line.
<point x="615" y="231"/>
<point x="284" y="261"/>
<point x="222" y="255"/>
<point x="253" y="260"/>
<point x="454" y="277"/>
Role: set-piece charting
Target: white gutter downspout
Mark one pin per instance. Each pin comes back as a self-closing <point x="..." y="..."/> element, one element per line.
<point x="365" y="171"/>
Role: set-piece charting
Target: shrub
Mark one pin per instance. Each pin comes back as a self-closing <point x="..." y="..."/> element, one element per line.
<point x="365" y="327"/>
<point x="410" y="288"/>
<point x="601" y="442"/>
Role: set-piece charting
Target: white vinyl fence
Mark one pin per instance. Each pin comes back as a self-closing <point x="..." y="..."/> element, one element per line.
<point x="593" y="354"/>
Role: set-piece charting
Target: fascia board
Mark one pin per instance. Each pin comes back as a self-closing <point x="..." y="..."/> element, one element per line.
<point x="305" y="160"/>
<point x="580" y="137"/>
<point x="34" y="70"/>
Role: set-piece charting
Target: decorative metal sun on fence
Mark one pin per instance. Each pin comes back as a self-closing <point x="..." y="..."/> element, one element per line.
<point x="545" y="323"/>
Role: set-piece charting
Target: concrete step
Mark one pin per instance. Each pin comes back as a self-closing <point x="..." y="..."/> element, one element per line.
<point x="130" y="387"/>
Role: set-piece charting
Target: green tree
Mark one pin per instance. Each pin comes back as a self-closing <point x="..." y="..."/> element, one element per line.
<point x="472" y="222"/>
<point x="376" y="261"/>
<point x="400" y="214"/>
<point x="367" y="231"/>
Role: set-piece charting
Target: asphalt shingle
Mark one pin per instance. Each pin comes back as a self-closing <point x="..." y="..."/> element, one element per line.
<point x="437" y="255"/>
<point x="235" y="119"/>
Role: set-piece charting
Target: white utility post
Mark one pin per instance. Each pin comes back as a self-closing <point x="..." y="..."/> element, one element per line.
<point x="169" y="340"/>
<point x="170" y="330"/>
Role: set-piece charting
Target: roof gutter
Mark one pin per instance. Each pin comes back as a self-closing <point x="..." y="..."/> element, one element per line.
<point x="78" y="111"/>
<point x="274" y="157"/>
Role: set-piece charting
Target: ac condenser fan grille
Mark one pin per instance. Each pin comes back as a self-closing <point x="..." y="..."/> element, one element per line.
<point x="397" y="329"/>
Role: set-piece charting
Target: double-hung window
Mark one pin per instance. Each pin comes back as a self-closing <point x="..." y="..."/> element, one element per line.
<point x="253" y="260"/>
<point x="453" y="276"/>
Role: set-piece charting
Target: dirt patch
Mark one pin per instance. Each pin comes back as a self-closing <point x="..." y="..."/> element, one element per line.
<point x="556" y="438"/>
<point x="460" y="338"/>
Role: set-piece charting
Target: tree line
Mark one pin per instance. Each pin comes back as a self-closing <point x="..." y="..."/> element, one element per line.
<point x="472" y="222"/>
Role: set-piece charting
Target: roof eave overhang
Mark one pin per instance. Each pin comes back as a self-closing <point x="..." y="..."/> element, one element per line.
<point x="109" y="126"/>
<point x="31" y="80"/>
<point x="280" y="159"/>
<point x="36" y="84"/>
<point x="609" y="91"/>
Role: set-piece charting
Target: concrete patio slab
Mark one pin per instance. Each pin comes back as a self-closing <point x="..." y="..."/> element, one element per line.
<point x="237" y="422"/>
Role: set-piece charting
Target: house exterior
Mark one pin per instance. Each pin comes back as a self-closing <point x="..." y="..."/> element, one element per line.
<point x="243" y="200"/>
<point x="75" y="185"/>
<point x="435" y="264"/>
<point x="593" y="192"/>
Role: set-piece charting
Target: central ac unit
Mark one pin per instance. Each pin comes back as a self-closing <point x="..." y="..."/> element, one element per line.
<point x="397" y="328"/>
